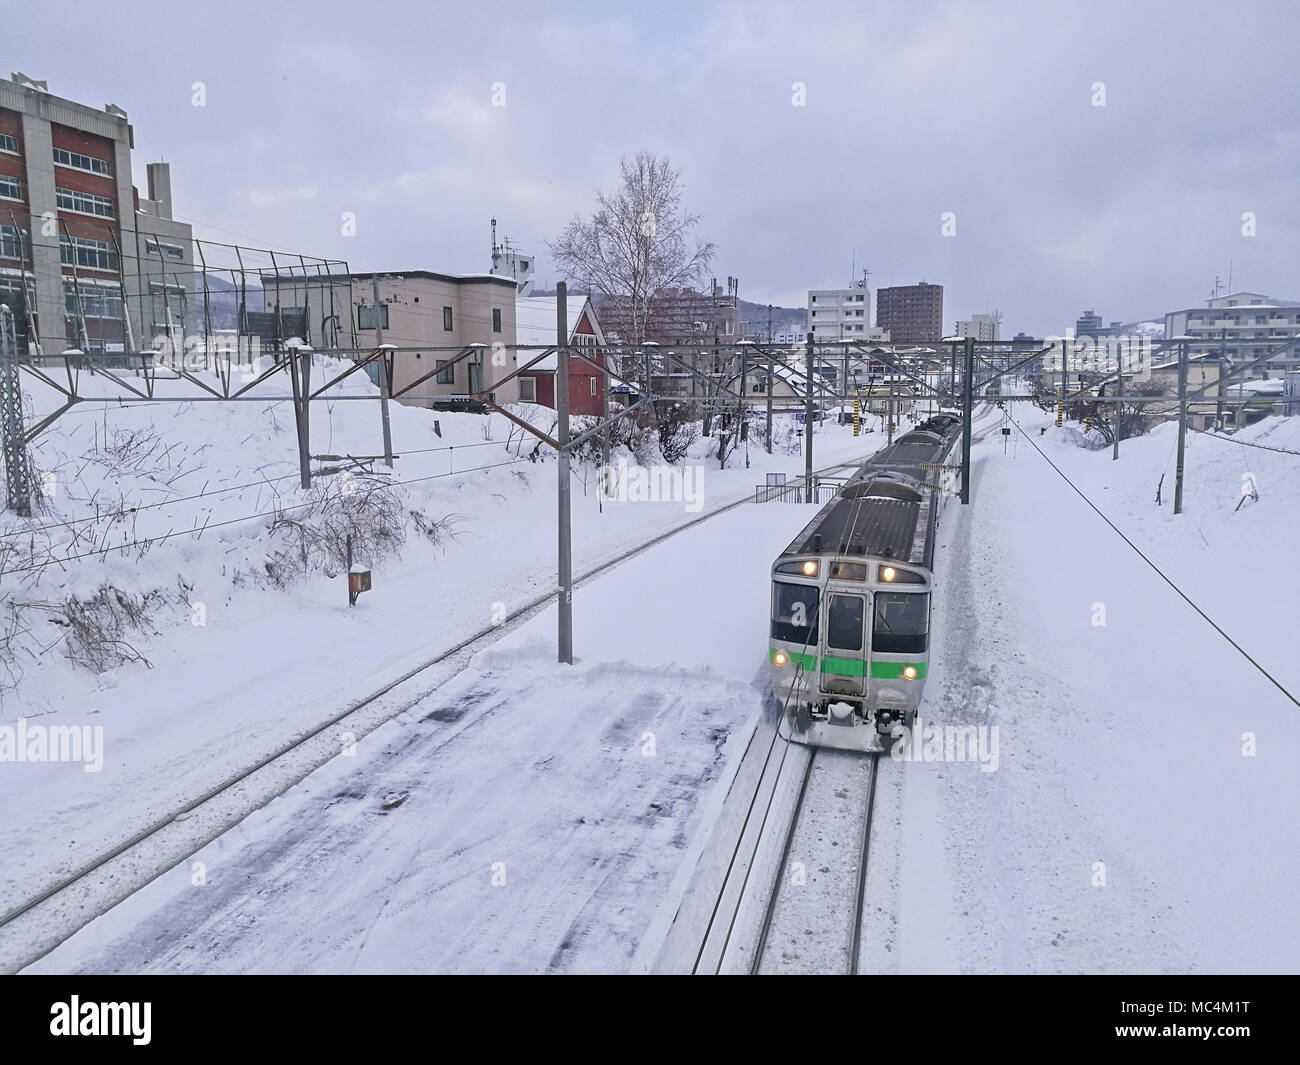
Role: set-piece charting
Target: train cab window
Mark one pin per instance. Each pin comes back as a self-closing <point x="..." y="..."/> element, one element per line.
<point x="844" y="619"/>
<point x="902" y="622"/>
<point x="794" y="612"/>
<point x="848" y="571"/>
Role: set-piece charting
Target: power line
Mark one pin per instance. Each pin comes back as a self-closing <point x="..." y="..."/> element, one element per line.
<point x="1158" y="571"/>
<point x="1243" y="443"/>
<point x="150" y="540"/>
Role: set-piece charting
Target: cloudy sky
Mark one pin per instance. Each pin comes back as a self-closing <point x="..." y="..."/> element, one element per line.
<point x="911" y="110"/>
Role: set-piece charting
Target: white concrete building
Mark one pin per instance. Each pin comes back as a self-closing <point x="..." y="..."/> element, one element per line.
<point x="981" y="326"/>
<point x="1241" y="326"/>
<point x="840" y="313"/>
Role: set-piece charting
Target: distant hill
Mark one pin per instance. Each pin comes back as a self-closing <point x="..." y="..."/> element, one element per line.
<point x="784" y="319"/>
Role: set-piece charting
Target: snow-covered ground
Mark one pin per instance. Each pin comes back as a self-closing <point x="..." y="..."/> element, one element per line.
<point x="540" y="814"/>
<point x="531" y="817"/>
<point x="268" y="664"/>
<point x="1142" y="815"/>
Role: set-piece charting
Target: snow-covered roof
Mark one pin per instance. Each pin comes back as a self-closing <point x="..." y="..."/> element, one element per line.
<point x="535" y="324"/>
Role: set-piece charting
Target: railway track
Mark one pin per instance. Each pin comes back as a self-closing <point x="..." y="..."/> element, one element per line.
<point x="812" y="904"/>
<point x="790" y="894"/>
<point x="38" y="924"/>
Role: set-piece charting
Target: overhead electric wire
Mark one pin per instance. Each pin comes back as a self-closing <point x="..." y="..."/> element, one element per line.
<point x="109" y="515"/>
<point x="198" y="531"/>
<point x="1158" y="571"/>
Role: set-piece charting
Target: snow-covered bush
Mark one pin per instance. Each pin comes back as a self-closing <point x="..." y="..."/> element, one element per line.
<point x="312" y="535"/>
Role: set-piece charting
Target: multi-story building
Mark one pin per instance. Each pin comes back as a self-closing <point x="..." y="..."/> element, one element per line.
<point x="1241" y="327"/>
<point x="840" y="313"/>
<point x="1088" y="324"/>
<point x="911" y="314"/>
<point x="84" y="263"/>
<point x="981" y="326"/>
<point x="679" y="316"/>
<point x="424" y="309"/>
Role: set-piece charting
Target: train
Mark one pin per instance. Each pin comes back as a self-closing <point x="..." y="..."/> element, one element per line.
<point x="849" y="641"/>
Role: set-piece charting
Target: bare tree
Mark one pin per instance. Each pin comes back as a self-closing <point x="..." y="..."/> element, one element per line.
<point x="1128" y="419"/>
<point x="639" y="242"/>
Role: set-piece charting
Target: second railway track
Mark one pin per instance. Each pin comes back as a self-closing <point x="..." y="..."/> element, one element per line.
<point x="38" y="924"/>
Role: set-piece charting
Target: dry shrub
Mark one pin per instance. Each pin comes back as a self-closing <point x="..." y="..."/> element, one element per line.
<point x="312" y="538"/>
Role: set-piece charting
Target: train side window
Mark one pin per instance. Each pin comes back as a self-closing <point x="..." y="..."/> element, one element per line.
<point x="901" y="623"/>
<point x="794" y="612"/>
<point x="844" y="620"/>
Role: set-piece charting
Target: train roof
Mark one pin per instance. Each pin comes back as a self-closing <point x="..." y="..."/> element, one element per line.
<point x="861" y="525"/>
<point x="883" y="509"/>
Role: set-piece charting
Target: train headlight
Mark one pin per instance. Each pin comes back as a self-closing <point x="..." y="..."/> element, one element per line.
<point x="888" y="573"/>
<point x="780" y="658"/>
<point x="810" y="568"/>
<point x="909" y="672"/>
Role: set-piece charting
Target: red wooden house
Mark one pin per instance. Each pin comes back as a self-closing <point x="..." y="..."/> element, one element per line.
<point x="535" y="326"/>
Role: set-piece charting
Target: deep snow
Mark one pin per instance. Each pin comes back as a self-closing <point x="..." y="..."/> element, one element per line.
<point x="1124" y="829"/>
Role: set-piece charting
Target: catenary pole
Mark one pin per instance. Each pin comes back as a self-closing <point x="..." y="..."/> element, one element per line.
<point x="808" y="422"/>
<point x="1119" y="410"/>
<point x="770" y="379"/>
<point x="562" y="438"/>
<point x="384" y="365"/>
<point x="968" y="390"/>
<point x="1182" y="425"/>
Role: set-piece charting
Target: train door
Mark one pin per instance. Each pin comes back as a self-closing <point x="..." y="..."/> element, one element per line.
<point x="844" y="663"/>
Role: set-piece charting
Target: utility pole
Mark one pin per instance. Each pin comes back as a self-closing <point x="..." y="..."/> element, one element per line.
<point x="1182" y="425"/>
<point x="385" y="368"/>
<point x="769" y="323"/>
<point x="562" y="438"/>
<point x="968" y="389"/>
<point x="808" y="422"/>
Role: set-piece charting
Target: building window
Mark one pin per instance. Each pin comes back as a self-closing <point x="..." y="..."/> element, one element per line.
<point x="446" y="372"/>
<point x="527" y="390"/>
<point x="496" y="319"/>
<point x="88" y="253"/>
<point x="10" y="188"/>
<point x="97" y="300"/>
<point x="13" y="243"/>
<point x="91" y="165"/>
<point x="593" y="385"/>
<point x="83" y="202"/>
<point x="172" y="251"/>
<point x="446" y="319"/>
<point x="366" y="316"/>
<point x="8" y="143"/>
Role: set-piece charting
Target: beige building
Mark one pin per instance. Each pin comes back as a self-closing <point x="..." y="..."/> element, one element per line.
<point x="431" y="318"/>
<point x="424" y="309"/>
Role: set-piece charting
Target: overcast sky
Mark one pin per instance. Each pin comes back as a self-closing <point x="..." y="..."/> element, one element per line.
<point x="912" y="110"/>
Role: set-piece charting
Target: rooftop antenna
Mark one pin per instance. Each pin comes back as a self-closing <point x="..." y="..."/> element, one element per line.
<point x="496" y="250"/>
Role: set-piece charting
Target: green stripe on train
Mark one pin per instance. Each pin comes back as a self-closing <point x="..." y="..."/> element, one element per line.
<point x="894" y="670"/>
<point x="852" y="667"/>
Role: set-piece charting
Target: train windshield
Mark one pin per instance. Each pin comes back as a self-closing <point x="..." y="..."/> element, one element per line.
<point x="794" y="612"/>
<point x="844" y="622"/>
<point x="902" y="622"/>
